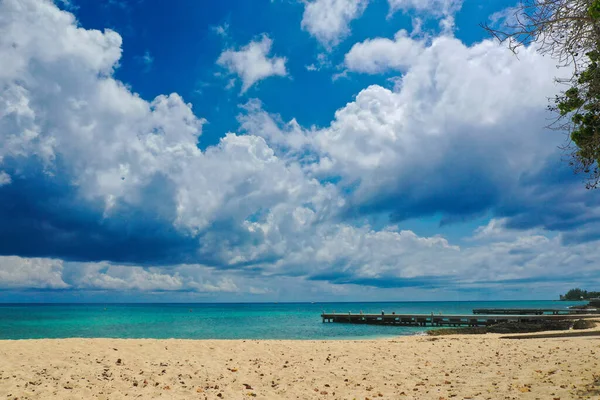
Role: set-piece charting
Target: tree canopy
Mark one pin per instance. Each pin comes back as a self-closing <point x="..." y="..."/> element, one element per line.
<point x="569" y="31"/>
<point x="579" y="294"/>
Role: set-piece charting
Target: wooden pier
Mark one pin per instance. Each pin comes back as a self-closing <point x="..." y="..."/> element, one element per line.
<point x="444" y="320"/>
<point x="531" y="311"/>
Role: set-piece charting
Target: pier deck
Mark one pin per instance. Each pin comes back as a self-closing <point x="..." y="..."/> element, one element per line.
<point x="444" y="320"/>
<point x="531" y="311"/>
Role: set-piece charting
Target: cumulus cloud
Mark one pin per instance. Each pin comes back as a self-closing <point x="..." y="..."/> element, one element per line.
<point x="43" y="273"/>
<point x="405" y="151"/>
<point x="342" y="256"/>
<point x="461" y="135"/>
<point x="252" y="63"/>
<point x="16" y="272"/>
<point x="381" y="54"/>
<point x="443" y="10"/>
<point x="117" y="189"/>
<point x="328" y="20"/>
<point x="4" y="178"/>
<point x="126" y="176"/>
<point x="436" y="7"/>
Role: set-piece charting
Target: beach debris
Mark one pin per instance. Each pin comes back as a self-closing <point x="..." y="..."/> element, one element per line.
<point x="233" y="369"/>
<point x="220" y="395"/>
<point x="247" y="386"/>
<point x="119" y="361"/>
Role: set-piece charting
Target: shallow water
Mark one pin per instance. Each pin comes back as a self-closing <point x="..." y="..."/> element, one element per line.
<point x="221" y="321"/>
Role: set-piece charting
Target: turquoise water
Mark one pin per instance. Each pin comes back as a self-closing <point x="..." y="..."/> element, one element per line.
<point x="220" y="321"/>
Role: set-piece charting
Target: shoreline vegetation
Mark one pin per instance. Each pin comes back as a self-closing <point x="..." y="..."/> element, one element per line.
<point x="579" y="294"/>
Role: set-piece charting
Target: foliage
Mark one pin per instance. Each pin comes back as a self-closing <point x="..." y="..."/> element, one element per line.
<point x="581" y="104"/>
<point x="569" y="31"/>
<point x="579" y="294"/>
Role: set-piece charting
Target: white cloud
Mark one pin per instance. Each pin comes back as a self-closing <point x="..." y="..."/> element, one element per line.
<point x="254" y="202"/>
<point x="221" y="30"/>
<point x="114" y="145"/>
<point x="68" y="4"/>
<point x="226" y="285"/>
<point x="407" y="147"/>
<point x="104" y="276"/>
<point x="251" y="63"/>
<point x="461" y="135"/>
<point x="443" y="10"/>
<point x="147" y="60"/>
<point x="381" y="54"/>
<point x="17" y="272"/>
<point x="507" y="16"/>
<point x="322" y="61"/>
<point x="342" y="255"/>
<point x="5" y="178"/>
<point x="431" y="7"/>
<point x="328" y="20"/>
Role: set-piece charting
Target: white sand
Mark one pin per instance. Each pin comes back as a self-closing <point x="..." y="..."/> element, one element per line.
<point x="452" y="367"/>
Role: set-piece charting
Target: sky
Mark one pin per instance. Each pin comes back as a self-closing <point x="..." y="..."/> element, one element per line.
<point x="281" y="150"/>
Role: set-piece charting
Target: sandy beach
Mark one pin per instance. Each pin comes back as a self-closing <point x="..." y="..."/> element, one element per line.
<point x="417" y="367"/>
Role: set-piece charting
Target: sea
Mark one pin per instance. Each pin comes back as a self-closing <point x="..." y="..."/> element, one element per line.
<point x="299" y="321"/>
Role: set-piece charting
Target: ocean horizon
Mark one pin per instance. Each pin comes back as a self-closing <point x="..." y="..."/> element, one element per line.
<point x="253" y="321"/>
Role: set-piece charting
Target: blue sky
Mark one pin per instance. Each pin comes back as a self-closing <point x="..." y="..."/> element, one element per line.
<point x="281" y="150"/>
